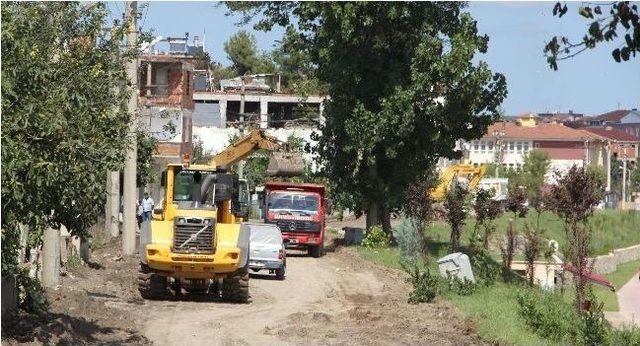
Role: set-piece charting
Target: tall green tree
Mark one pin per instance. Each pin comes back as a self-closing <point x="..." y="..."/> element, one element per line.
<point x="64" y="118"/>
<point x="242" y="50"/>
<point x="402" y="90"/>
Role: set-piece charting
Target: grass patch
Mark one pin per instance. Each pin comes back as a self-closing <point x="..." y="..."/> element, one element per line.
<point x="624" y="273"/>
<point x="612" y="229"/>
<point x="493" y="309"/>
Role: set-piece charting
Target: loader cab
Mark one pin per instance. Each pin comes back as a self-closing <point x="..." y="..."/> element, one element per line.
<point x="200" y="190"/>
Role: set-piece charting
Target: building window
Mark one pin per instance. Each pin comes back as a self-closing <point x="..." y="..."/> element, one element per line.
<point x="526" y="147"/>
<point x="519" y="147"/>
<point x="483" y="147"/>
<point x="490" y="146"/>
<point x="475" y="146"/>
<point x="511" y="146"/>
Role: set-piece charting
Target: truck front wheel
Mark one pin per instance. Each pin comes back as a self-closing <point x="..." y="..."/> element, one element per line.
<point x="316" y="251"/>
<point x="235" y="287"/>
<point x="151" y="284"/>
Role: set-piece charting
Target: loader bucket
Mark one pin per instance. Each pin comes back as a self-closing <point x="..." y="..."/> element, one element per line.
<point x="285" y="164"/>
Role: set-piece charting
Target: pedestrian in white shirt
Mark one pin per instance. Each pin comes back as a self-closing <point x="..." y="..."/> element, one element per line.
<point x="147" y="207"/>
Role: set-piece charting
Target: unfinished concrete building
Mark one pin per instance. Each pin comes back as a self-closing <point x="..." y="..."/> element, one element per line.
<point x="166" y="96"/>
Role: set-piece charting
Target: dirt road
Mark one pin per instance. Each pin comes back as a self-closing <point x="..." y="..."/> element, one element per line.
<point x="339" y="299"/>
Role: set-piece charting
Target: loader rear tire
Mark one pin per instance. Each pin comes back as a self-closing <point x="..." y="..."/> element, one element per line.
<point x="235" y="287"/>
<point x="151" y="284"/>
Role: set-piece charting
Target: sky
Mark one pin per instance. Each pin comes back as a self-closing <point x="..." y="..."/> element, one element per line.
<point x="591" y="83"/>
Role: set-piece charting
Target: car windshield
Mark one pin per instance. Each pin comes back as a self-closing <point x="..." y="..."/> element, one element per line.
<point x="286" y="201"/>
<point x="265" y="234"/>
<point x="194" y="189"/>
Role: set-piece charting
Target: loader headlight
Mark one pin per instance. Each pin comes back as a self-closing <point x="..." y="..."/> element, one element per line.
<point x="181" y="221"/>
<point x="208" y="222"/>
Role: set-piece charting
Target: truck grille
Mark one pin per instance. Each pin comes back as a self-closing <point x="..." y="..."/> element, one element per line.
<point x="298" y="226"/>
<point x="202" y="244"/>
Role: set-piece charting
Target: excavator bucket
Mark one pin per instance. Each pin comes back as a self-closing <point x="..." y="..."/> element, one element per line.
<point x="284" y="164"/>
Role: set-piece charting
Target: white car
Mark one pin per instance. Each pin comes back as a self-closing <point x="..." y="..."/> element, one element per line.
<point x="267" y="250"/>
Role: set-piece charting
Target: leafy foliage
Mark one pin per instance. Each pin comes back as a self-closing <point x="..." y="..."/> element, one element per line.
<point x="376" y="238"/>
<point x="485" y="268"/>
<point x="419" y="209"/>
<point x="605" y="20"/>
<point x="425" y="285"/>
<point x="456" y="213"/>
<point x="64" y="117"/>
<point x="548" y="315"/>
<point x="507" y="250"/>
<point x="242" y="50"/>
<point x="31" y="296"/>
<point x="532" y="249"/>
<point x="146" y="149"/>
<point x="487" y="210"/>
<point x="402" y="90"/>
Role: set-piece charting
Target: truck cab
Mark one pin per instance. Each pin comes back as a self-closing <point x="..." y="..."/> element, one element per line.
<point x="298" y="209"/>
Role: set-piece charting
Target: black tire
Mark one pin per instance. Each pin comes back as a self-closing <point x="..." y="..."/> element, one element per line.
<point x="280" y="273"/>
<point x="235" y="287"/>
<point x="151" y="284"/>
<point x="316" y="251"/>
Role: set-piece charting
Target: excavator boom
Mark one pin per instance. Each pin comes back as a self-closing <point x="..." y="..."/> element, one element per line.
<point x="279" y="163"/>
<point x="452" y="172"/>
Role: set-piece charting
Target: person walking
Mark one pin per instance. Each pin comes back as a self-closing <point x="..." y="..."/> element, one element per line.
<point x="147" y="207"/>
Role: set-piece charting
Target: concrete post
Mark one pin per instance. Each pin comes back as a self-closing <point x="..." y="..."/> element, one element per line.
<point x="51" y="258"/>
<point x="129" y="214"/>
<point x="112" y="207"/>
<point x="264" y="113"/>
<point x="223" y="113"/>
<point x="608" y="148"/>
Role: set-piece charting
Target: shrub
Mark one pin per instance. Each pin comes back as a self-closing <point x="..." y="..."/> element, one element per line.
<point x="548" y="315"/>
<point x="485" y="268"/>
<point x="376" y="238"/>
<point x="595" y="329"/>
<point x="31" y="296"/>
<point x="425" y="285"/>
<point x="408" y="239"/>
<point x="462" y="287"/>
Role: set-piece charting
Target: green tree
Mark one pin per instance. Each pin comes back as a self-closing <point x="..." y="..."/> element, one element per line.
<point x="242" y="50"/>
<point x="64" y="118"/>
<point x="295" y="65"/>
<point x="402" y="90"/>
<point x="605" y="20"/>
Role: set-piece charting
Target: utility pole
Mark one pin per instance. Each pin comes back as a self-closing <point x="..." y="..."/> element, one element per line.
<point x="624" y="178"/>
<point x="242" y="124"/>
<point x="130" y="193"/>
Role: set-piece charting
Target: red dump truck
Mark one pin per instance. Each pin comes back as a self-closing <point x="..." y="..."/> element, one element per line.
<point x="298" y="209"/>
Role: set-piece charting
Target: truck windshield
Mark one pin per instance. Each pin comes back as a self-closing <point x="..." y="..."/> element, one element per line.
<point x="286" y="201"/>
<point x="194" y="189"/>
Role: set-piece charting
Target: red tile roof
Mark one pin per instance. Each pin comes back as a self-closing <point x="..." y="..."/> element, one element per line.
<point x="610" y="133"/>
<point x="547" y="131"/>
<point x="613" y="115"/>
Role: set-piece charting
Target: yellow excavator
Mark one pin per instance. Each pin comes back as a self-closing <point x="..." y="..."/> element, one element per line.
<point x="195" y="240"/>
<point x="452" y="173"/>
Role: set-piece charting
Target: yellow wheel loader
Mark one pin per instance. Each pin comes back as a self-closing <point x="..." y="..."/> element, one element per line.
<point x="196" y="240"/>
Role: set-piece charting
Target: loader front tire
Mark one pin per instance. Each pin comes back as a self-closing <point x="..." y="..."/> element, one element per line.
<point x="151" y="284"/>
<point x="235" y="287"/>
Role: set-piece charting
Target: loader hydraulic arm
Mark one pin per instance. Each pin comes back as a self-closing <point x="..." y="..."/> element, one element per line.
<point x="239" y="150"/>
